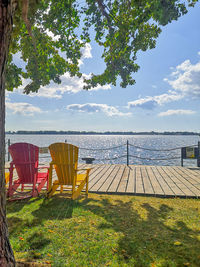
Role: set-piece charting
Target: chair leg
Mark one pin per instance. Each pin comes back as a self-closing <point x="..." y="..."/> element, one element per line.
<point x="41" y="185"/>
<point x="12" y="189"/>
<point x="78" y="191"/>
<point x="53" y="190"/>
<point x="49" y="185"/>
<point x="7" y="177"/>
<point x="22" y="187"/>
<point x="87" y="181"/>
<point x="35" y="193"/>
<point x="61" y="189"/>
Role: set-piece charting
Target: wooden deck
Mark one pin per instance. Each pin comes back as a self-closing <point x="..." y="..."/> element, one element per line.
<point x="160" y="181"/>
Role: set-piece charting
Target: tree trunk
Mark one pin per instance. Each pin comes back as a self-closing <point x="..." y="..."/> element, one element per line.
<point x="6" y="14"/>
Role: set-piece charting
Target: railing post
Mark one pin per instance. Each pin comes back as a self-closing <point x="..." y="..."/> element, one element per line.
<point x="127" y="153"/>
<point x="8" y="150"/>
<point x="182" y="156"/>
<point x="198" y="159"/>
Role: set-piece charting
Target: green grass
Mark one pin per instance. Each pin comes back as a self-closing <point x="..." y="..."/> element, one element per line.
<point x="106" y="230"/>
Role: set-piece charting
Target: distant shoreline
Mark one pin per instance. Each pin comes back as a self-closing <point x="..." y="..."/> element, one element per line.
<point x="97" y="133"/>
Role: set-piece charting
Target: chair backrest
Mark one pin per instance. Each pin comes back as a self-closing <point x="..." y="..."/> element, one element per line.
<point x="25" y="158"/>
<point x="65" y="160"/>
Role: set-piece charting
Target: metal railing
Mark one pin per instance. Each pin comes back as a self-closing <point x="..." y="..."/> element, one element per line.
<point x="127" y="155"/>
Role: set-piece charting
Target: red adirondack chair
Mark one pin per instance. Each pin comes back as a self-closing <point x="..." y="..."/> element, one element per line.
<point x="25" y="159"/>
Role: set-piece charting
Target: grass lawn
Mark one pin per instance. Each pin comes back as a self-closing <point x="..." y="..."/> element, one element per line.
<point x="106" y="230"/>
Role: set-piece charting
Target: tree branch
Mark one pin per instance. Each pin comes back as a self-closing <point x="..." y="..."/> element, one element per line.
<point x="102" y="8"/>
<point x="25" y="6"/>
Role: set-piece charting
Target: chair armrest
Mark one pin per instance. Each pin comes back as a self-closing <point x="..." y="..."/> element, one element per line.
<point x="84" y="169"/>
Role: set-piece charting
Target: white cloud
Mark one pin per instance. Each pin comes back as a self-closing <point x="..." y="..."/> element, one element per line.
<point x="54" y="37"/>
<point x="68" y="85"/>
<point x="94" y="108"/>
<point x="146" y="103"/>
<point x="171" y="112"/>
<point x="151" y="102"/>
<point x="22" y="108"/>
<point x="86" y="51"/>
<point x="186" y="79"/>
<point x="199" y="53"/>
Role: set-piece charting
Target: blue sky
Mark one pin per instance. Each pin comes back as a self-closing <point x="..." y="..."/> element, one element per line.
<point x="166" y="96"/>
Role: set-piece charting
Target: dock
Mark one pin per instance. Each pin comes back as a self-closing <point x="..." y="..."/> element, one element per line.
<point x="158" y="181"/>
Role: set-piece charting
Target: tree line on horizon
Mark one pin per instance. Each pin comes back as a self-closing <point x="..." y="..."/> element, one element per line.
<point x="104" y="133"/>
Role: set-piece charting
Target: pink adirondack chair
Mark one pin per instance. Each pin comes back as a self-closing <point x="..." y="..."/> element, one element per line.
<point x="25" y="159"/>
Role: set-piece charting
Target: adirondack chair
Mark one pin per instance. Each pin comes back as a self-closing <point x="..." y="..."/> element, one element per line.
<point x="25" y="159"/>
<point x="65" y="161"/>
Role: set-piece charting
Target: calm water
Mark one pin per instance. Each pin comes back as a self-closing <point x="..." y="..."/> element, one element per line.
<point x="108" y="141"/>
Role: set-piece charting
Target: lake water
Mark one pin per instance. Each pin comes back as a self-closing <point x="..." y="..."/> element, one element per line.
<point x="118" y="155"/>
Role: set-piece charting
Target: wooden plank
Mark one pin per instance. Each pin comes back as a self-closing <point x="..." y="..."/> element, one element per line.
<point x="83" y="166"/>
<point x="94" y="168"/>
<point x="131" y="186"/>
<point x="172" y="181"/>
<point x="195" y="171"/>
<point x="101" y="181"/>
<point x="99" y="175"/>
<point x="139" y="181"/>
<point x="95" y="171"/>
<point x="183" y="184"/>
<point x="192" y="180"/>
<point x="148" y="189"/>
<point x="189" y="177"/>
<point x="114" y="185"/>
<point x="163" y="183"/>
<point x="109" y="180"/>
<point x="124" y="180"/>
<point x="154" y="181"/>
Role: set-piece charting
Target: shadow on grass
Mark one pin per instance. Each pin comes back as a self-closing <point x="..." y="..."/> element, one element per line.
<point x="17" y="205"/>
<point x="46" y="210"/>
<point x="144" y="239"/>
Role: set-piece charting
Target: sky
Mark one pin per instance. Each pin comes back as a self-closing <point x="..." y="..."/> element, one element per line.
<point x="166" y="96"/>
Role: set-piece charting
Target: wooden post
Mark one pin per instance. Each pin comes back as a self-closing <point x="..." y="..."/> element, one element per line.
<point x="198" y="158"/>
<point x="8" y="150"/>
<point x="127" y="153"/>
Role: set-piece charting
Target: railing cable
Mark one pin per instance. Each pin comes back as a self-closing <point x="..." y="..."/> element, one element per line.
<point x="111" y="158"/>
<point x="150" y="149"/>
<point x="94" y="149"/>
<point x="133" y="156"/>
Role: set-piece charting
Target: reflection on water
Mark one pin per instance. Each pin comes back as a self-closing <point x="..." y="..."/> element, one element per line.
<point x="109" y="141"/>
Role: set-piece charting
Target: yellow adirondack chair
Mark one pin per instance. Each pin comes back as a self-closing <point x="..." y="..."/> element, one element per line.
<point x="65" y="161"/>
